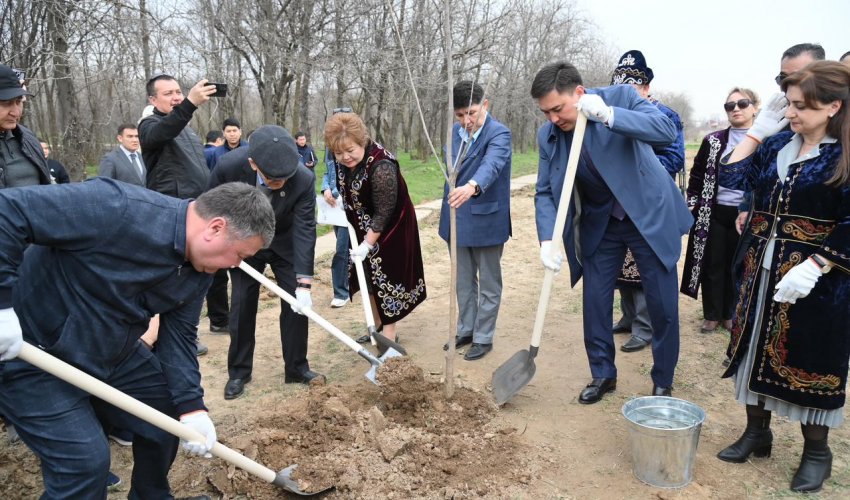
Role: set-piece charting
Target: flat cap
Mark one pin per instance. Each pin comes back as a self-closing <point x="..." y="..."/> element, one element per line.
<point x="273" y="150"/>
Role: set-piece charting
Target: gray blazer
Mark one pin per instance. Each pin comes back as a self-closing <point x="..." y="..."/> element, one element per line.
<point x="116" y="165"/>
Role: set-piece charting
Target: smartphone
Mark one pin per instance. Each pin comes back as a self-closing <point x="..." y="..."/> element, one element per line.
<point x="22" y="76"/>
<point x="220" y="89"/>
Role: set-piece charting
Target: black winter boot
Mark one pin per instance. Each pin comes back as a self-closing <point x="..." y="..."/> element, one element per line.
<point x="815" y="467"/>
<point x="757" y="439"/>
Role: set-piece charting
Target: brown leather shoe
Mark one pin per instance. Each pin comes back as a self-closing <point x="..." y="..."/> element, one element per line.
<point x="727" y="324"/>
<point x="708" y="326"/>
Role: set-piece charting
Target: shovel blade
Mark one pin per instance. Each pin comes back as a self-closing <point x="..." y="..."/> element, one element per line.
<point x="285" y="481"/>
<point x="512" y="376"/>
<point x="372" y="374"/>
<point x="384" y="344"/>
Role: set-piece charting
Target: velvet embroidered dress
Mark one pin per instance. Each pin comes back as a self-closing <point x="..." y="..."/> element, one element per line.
<point x="394" y="271"/>
<point x="801" y="351"/>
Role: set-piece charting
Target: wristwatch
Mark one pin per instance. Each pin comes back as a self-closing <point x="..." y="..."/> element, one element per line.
<point x="824" y="266"/>
<point x="476" y="186"/>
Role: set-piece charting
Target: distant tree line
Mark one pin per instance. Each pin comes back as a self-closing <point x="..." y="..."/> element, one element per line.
<point x="288" y="62"/>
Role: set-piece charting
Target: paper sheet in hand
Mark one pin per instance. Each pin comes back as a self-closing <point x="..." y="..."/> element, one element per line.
<point x="330" y="215"/>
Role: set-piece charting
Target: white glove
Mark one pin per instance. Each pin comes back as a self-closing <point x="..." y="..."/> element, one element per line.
<point x="362" y="251"/>
<point x="551" y="262"/>
<point x="199" y="421"/>
<point x="771" y="118"/>
<point x="304" y="300"/>
<point x="797" y="282"/>
<point x="594" y="108"/>
<point x="11" y="339"/>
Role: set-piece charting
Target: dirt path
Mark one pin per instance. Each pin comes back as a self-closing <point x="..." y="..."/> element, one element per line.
<point x="406" y="441"/>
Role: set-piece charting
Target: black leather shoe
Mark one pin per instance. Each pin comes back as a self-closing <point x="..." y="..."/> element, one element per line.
<point x="815" y="467"/>
<point x="657" y="390"/>
<point x="235" y="387"/>
<point x="597" y="388"/>
<point x="634" y="344"/>
<point x="219" y="330"/>
<point x="618" y="328"/>
<point x="201" y="349"/>
<point x="757" y="442"/>
<point x="363" y="339"/>
<point x="459" y="342"/>
<point x="477" y="351"/>
<point x="199" y="497"/>
<point x="307" y="378"/>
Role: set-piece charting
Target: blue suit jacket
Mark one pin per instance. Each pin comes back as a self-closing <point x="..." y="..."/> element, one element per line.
<point x="625" y="160"/>
<point x="484" y="220"/>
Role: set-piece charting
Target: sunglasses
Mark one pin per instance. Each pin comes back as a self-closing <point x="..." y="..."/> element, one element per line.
<point x="779" y="78"/>
<point x="341" y="110"/>
<point x="741" y="103"/>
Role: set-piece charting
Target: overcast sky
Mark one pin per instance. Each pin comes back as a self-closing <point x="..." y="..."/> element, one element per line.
<point x="706" y="48"/>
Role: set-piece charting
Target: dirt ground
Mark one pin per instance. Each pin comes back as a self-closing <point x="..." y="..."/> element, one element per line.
<point x="404" y="439"/>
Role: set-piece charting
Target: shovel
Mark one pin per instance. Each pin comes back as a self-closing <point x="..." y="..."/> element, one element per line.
<point x="516" y="372"/>
<point x="95" y="387"/>
<point x="336" y="332"/>
<point x="383" y="343"/>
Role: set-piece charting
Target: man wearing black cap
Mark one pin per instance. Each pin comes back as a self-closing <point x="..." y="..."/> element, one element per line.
<point x="633" y="70"/>
<point x="272" y="163"/>
<point x="22" y="162"/>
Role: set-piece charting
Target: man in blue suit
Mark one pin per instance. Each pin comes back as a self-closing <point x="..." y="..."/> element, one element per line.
<point x="623" y="198"/>
<point x="481" y="150"/>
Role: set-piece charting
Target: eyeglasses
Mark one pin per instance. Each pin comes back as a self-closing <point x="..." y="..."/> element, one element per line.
<point x="341" y="110"/>
<point x="779" y="78"/>
<point x="741" y="103"/>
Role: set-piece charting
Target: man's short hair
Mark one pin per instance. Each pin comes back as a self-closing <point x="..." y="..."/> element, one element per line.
<point x="817" y="52"/>
<point x="560" y="76"/>
<point x="300" y="134"/>
<point x="214" y="135"/>
<point x="125" y="126"/>
<point x="246" y="209"/>
<point x="231" y="122"/>
<point x="150" y="88"/>
<point x="466" y="93"/>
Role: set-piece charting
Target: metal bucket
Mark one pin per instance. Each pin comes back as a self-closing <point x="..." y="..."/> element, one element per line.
<point x="664" y="434"/>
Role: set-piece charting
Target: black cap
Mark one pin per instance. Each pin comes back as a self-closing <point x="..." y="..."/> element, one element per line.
<point x="274" y="152"/>
<point x="10" y="84"/>
<point x="632" y="69"/>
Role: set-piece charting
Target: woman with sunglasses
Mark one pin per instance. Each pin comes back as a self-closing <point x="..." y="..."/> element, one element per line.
<point x="713" y="237"/>
<point x="378" y="205"/>
<point x="790" y="339"/>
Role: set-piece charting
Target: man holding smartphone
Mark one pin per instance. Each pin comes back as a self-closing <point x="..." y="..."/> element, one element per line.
<point x="173" y="152"/>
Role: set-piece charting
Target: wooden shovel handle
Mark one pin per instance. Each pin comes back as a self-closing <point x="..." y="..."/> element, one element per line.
<point x="560" y="222"/>
<point x="95" y="387"/>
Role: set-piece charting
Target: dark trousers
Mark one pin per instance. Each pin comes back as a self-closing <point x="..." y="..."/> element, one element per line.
<point x="718" y="287"/>
<point x="60" y="425"/>
<point x="217" y="308"/>
<point x="339" y="263"/>
<point x="243" y="318"/>
<point x="600" y="272"/>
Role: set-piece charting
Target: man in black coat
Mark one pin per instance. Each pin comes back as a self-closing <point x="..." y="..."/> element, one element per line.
<point x="271" y="162"/>
<point x="22" y="161"/>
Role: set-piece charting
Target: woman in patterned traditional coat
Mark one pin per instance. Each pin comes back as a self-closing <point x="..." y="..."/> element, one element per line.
<point x="377" y="204"/>
<point x="713" y="237"/>
<point x="790" y="339"/>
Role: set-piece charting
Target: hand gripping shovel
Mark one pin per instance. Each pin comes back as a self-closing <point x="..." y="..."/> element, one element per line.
<point x="310" y="313"/>
<point x="384" y="344"/>
<point x="95" y="387"/>
<point x="516" y="372"/>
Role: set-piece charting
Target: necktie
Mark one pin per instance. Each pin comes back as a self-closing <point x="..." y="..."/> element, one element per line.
<point x="137" y="165"/>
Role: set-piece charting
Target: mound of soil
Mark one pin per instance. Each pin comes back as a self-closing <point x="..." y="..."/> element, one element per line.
<point x="401" y="439"/>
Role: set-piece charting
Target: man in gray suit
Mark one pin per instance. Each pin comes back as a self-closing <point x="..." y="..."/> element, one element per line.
<point x="125" y="163"/>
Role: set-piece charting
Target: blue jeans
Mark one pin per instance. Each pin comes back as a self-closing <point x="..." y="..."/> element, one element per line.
<point x="60" y="425"/>
<point x="339" y="264"/>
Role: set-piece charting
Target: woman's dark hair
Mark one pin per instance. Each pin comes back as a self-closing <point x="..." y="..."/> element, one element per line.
<point x="561" y="76"/>
<point x="821" y="83"/>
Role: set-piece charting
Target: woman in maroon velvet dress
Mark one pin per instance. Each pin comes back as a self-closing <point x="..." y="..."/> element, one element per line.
<point x="378" y="206"/>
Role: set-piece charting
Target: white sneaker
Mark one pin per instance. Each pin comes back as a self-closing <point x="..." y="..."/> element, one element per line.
<point x="339" y="302"/>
